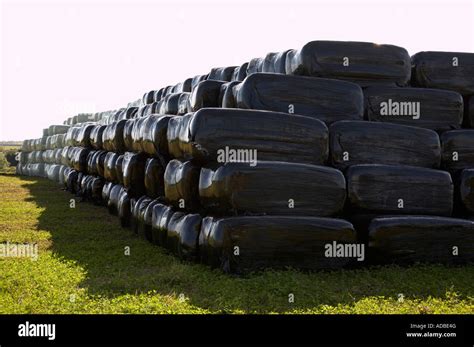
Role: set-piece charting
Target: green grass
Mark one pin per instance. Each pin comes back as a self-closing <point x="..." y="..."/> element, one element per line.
<point x="5" y="167"/>
<point x="82" y="268"/>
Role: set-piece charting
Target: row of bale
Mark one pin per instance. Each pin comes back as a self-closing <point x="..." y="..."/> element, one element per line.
<point x="334" y="155"/>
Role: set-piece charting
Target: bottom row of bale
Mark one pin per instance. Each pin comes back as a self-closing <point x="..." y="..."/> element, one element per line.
<point x="239" y="244"/>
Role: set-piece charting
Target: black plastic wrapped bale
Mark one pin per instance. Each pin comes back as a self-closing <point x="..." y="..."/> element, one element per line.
<point x="444" y="70"/>
<point x="158" y="94"/>
<point x="171" y="104"/>
<point x="124" y="209"/>
<point x="360" y="142"/>
<point x="227" y="97"/>
<point x="130" y="112"/>
<point x="97" y="184"/>
<point x="137" y="134"/>
<point x="119" y="168"/>
<point x="457" y="149"/>
<point x="389" y="189"/>
<point x="275" y="62"/>
<point x="205" y="94"/>
<point x="79" y="160"/>
<point x="100" y="162"/>
<point x="96" y="136"/>
<point x="183" y="103"/>
<point x="410" y="239"/>
<point x="127" y="134"/>
<point x="240" y="72"/>
<point x="255" y="66"/>
<point x="206" y="254"/>
<point x="364" y="63"/>
<point x="226" y="88"/>
<point x="196" y="80"/>
<point x="145" y="221"/>
<point x="153" y="138"/>
<point x="114" y="196"/>
<point x="275" y="188"/>
<point x="113" y="139"/>
<point x="106" y="192"/>
<point x="181" y="184"/>
<point x="469" y="112"/>
<point x="172" y="234"/>
<point x="210" y="133"/>
<point x="434" y="109"/>
<point x="221" y="73"/>
<point x="186" y="86"/>
<point x="161" y="216"/>
<point x="110" y="169"/>
<point x="177" y="128"/>
<point x="149" y="97"/>
<point x="138" y="213"/>
<point x="83" y="137"/>
<point x="134" y="202"/>
<point x="466" y="189"/>
<point x="134" y="173"/>
<point x="154" y="177"/>
<point x="245" y="244"/>
<point x="92" y="163"/>
<point x="189" y="228"/>
<point x="325" y="99"/>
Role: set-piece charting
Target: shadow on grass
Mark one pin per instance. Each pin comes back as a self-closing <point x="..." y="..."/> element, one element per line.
<point x="93" y="239"/>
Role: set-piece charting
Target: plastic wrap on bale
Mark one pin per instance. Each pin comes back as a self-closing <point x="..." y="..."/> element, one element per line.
<point x="431" y="239"/>
<point x="181" y="184"/>
<point x="221" y="73"/>
<point x="153" y="135"/>
<point x="110" y="168"/>
<point x="114" y="196"/>
<point x="146" y="219"/>
<point x="457" y="150"/>
<point x="325" y="99"/>
<point x="137" y="208"/>
<point x="434" y="109"/>
<point x="113" y="139"/>
<point x="161" y="216"/>
<point x="96" y="136"/>
<point x="444" y="70"/>
<point x="274" y="188"/>
<point x="390" y="189"/>
<point x="207" y="134"/>
<point x="183" y="234"/>
<point x="134" y="173"/>
<point x="240" y="72"/>
<point x="154" y="177"/>
<point x="360" y="142"/>
<point x="364" y="63"/>
<point x="466" y="189"/>
<point x="275" y="62"/>
<point x="205" y="94"/>
<point x="250" y="243"/>
<point x="124" y="209"/>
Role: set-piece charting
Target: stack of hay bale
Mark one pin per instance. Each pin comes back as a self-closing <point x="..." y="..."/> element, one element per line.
<point x="303" y="158"/>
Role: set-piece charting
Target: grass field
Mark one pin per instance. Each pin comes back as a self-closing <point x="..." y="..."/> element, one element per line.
<point x="82" y="268"/>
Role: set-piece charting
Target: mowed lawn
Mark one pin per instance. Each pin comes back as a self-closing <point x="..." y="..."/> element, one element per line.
<point x="82" y="268"/>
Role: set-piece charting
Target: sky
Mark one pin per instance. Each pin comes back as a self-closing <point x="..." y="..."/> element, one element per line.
<point x="59" y="58"/>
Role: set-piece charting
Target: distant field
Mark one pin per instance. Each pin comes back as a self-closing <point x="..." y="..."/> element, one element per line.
<point x="9" y="147"/>
<point x="82" y="268"/>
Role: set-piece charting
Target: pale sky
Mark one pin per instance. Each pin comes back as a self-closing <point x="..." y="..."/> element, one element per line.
<point x="59" y="58"/>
